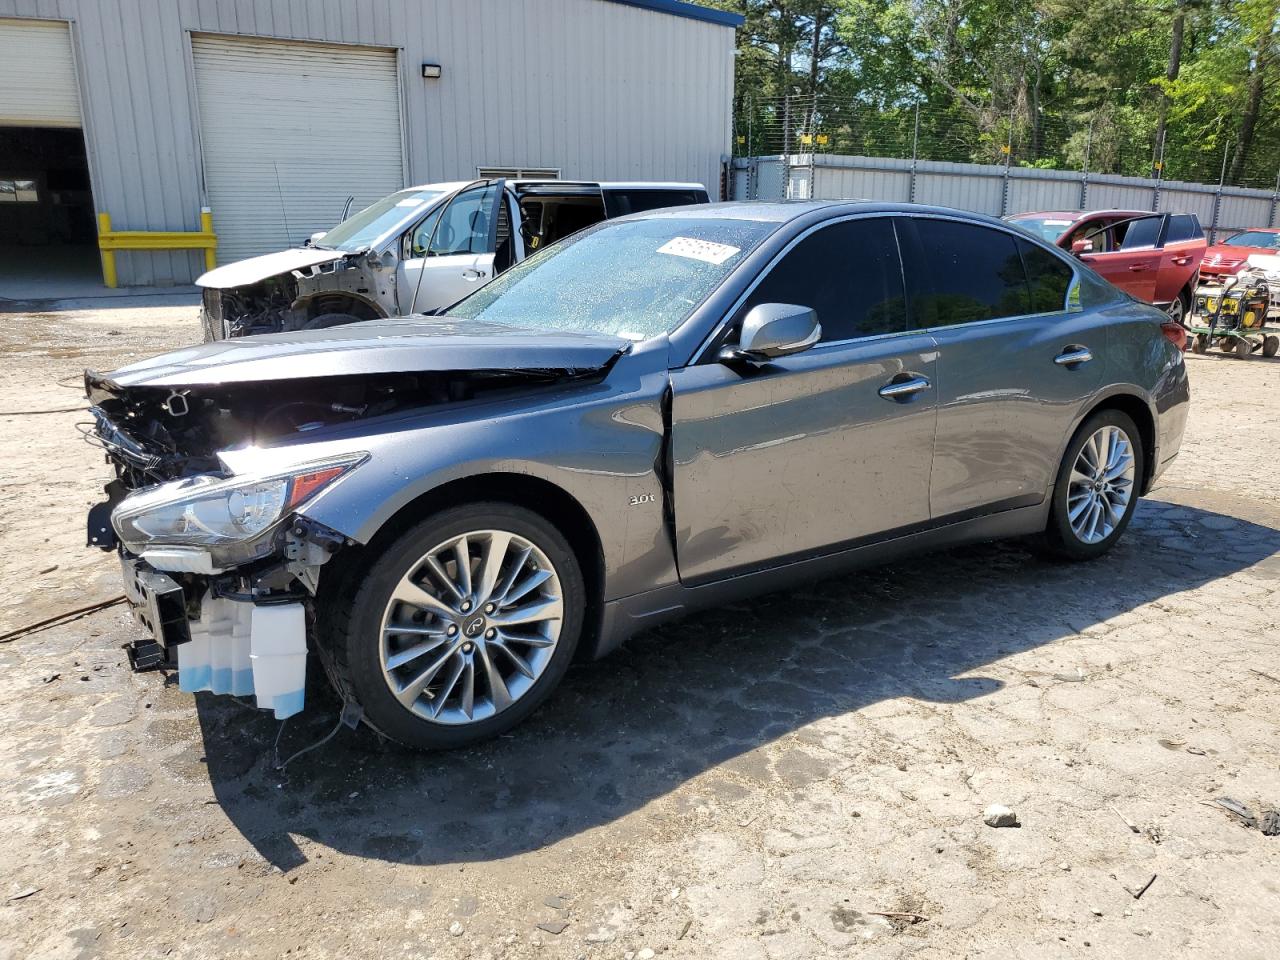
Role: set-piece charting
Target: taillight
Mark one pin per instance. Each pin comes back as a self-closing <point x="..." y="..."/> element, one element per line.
<point x="1175" y="333"/>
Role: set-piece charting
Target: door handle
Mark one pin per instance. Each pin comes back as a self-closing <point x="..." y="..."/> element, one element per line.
<point x="1073" y="356"/>
<point x="903" y="389"/>
<point x="1137" y="267"/>
<point x="472" y="275"/>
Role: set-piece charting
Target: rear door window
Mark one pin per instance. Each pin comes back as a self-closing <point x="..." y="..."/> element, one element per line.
<point x="618" y="202"/>
<point x="1183" y="226"/>
<point x="964" y="272"/>
<point x="1141" y="233"/>
<point x="1047" y="276"/>
<point x="849" y="273"/>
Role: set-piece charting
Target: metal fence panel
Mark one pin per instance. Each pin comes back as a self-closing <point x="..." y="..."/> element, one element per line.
<point x="995" y="189"/>
<point x="1059" y="193"/>
<point x="858" y="183"/>
<point x="1106" y="195"/>
<point x="1181" y="200"/>
<point x="1237" y="212"/>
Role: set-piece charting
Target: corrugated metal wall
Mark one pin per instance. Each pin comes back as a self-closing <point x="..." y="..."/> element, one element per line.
<point x="995" y="191"/>
<point x="597" y="89"/>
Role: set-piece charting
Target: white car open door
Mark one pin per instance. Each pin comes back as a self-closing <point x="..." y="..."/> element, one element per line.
<point x="451" y="252"/>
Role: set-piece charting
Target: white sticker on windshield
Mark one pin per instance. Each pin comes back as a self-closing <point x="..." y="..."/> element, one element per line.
<point x="705" y="250"/>
<point x="1057" y="223"/>
<point x="410" y="202"/>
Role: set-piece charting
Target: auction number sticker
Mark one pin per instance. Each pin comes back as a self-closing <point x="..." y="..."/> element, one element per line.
<point x="707" y="251"/>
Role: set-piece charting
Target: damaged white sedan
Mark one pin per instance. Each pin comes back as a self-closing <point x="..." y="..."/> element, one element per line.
<point x="415" y="251"/>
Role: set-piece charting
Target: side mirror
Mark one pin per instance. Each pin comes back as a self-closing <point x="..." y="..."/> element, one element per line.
<point x="1082" y="246"/>
<point x="312" y="240"/>
<point x="772" y="330"/>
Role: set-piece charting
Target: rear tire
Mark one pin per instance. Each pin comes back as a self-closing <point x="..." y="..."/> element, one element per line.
<point x="1096" y="490"/>
<point x="1177" y="310"/>
<point x="1200" y="344"/>
<point x="1270" y="346"/>
<point x="494" y="668"/>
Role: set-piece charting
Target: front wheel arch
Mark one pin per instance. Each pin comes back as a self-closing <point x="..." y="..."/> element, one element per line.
<point x="551" y="502"/>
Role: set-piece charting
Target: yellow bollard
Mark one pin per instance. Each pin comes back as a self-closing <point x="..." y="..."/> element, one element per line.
<point x="206" y="226"/>
<point x="108" y="256"/>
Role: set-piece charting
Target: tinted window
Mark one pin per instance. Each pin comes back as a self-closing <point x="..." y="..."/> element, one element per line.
<point x="1141" y="233"/>
<point x="1048" y="277"/>
<point x="849" y="273"/>
<point x="965" y="273"/>
<point x="1183" y="226"/>
<point x="618" y="203"/>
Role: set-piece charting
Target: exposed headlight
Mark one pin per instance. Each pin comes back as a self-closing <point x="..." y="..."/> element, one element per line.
<point x="215" y="511"/>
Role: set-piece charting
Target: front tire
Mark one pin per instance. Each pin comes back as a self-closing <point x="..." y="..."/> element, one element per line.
<point x="461" y="627"/>
<point x="1096" y="489"/>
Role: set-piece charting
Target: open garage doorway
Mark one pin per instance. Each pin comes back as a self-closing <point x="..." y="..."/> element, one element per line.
<point x="48" y="239"/>
<point x="48" y="235"/>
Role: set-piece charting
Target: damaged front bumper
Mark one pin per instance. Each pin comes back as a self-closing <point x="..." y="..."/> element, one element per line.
<point x="219" y="644"/>
<point x="237" y="628"/>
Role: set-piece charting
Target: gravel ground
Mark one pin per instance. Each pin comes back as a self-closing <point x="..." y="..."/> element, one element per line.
<point x="803" y="775"/>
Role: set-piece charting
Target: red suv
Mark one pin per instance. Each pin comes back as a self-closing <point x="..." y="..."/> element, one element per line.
<point x="1153" y="256"/>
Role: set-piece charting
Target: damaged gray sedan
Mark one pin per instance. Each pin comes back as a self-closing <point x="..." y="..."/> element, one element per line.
<point x="662" y="412"/>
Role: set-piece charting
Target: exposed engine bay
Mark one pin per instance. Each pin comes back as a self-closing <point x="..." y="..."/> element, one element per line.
<point x="356" y="287"/>
<point x="156" y="434"/>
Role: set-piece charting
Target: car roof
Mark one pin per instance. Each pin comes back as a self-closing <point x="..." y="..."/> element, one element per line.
<point x="452" y="185"/>
<point x="1256" y="230"/>
<point x="784" y="211"/>
<point x="1074" y="215"/>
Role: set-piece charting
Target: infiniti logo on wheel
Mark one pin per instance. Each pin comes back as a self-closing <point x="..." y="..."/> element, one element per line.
<point x="474" y="627"/>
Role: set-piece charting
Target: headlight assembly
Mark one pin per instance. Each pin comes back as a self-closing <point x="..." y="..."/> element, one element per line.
<point x="210" y="511"/>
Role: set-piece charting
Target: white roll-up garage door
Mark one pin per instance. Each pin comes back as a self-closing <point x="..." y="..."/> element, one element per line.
<point x="37" y="75"/>
<point x="288" y="131"/>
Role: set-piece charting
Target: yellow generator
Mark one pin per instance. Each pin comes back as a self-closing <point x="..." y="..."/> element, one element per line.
<point x="1233" y="312"/>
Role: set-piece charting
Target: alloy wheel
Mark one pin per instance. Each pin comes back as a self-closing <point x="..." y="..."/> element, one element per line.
<point x="1175" y="310"/>
<point x="1101" y="484"/>
<point x="471" y="627"/>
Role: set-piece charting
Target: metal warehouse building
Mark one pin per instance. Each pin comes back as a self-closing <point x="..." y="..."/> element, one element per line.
<point x="272" y="113"/>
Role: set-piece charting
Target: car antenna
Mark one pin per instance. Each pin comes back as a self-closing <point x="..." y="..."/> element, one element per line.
<point x="280" y="195"/>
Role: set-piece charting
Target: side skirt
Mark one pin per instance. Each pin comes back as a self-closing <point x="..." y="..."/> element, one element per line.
<point x="629" y="615"/>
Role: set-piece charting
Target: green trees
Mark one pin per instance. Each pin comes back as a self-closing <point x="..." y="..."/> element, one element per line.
<point x="1187" y="89"/>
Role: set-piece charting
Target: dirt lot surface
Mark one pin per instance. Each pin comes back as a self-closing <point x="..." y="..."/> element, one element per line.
<point x="804" y="775"/>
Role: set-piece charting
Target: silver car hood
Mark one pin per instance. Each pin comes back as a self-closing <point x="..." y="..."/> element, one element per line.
<point x="408" y="345"/>
<point x="244" y="272"/>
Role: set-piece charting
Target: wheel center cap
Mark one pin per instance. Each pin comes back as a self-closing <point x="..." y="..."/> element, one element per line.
<point x="473" y="627"/>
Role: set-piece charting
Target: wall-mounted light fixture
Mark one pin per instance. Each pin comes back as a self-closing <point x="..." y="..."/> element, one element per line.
<point x="431" y="71"/>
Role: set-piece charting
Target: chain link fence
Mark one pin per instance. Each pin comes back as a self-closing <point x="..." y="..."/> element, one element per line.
<point x="1111" y="140"/>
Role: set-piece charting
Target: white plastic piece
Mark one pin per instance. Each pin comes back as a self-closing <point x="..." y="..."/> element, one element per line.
<point x="279" y="657"/>
<point x="180" y="559"/>
<point x="240" y="649"/>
